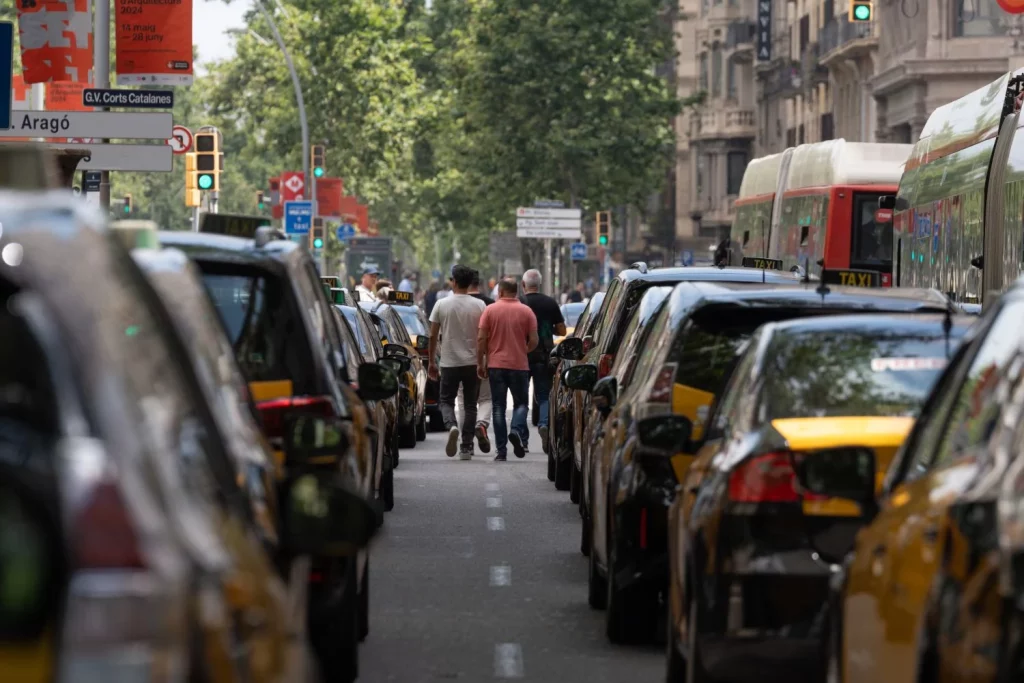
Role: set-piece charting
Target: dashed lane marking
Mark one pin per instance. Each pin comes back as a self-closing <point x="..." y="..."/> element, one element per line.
<point x="508" y="660"/>
<point x="494" y="502"/>
<point x="491" y="486"/>
<point x="496" y="523"/>
<point x="501" y="575"/>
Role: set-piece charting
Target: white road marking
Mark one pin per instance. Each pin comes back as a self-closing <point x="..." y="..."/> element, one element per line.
<point x="501" y="575"/>
<point x="494" y="502"/>
<point x="491" y="486"/>
<point x="508" y="660"/>
<point x="496" y="523"/>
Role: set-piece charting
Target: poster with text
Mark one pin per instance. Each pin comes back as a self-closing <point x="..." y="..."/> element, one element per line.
<point x="154" y="42"/>
<point x="66" y="96"/>
<point x="56" y="40"/>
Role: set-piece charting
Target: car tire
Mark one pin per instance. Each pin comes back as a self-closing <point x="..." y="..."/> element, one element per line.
<point x="535" y="413"/>
<point x="364" y="603"/>
<point x="407" y="436"/>
<point x="421" y="428"/>
<point x="387" y="485"/>
<point x="551" y="467"/>
<point x="584" y="535"/>
<point x="597" y="585"/>
<point x="695" y="672"/>
<point x="435" y="422"/>
<point x="631" y="616"/>
<point x="563" y="472"/>
<point x="675" y="665"/>
<point x="336" y="643"/>
<point x="575" y="482"/>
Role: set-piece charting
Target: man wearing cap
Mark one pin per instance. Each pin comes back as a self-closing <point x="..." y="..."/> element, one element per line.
<point x="367" y="288"/>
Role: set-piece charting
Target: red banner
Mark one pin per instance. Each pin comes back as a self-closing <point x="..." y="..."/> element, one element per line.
<point x="349" y="210"/>
<point x="56" y="40"/>
<point x="363" y="218"/>
<point x="328" y="197"/>
<point x="154" y="42"/>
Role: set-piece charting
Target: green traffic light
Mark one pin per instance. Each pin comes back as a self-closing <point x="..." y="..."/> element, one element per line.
<point x="127" y="209"/>
<point x="318" y="243"/>
<point x="603" y="239"/>
<point x="318" y="172"/>
<point x="205" y="181"/>
<point x="862" y="12"/>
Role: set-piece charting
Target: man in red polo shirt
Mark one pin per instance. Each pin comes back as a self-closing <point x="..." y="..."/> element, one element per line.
<point x="508" y="332"/>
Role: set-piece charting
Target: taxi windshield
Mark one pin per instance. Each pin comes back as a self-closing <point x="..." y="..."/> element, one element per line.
<point x="353" y="321"/>
<point x="852" y="373"/>
<point x="409" y="316"/>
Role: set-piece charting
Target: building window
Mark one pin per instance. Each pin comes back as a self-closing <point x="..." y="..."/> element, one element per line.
<point x="829" y="10"/>
<point x="805" y="32"/>
<point x="827" y="127"/>
<point x="972" y="18"/>
<point x="704" y="71"/>
<point x="730" y="79"/>
<point x="737" y="166"/>
<point x="701" y="172"/>
<point x="791" y="137"/>
<point x="716" y="72"/>
<point x="800" y="135"/>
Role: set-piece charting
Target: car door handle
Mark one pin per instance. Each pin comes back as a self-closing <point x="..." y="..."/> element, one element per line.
<point x="930" y="534"/>
<point x="879" y="551"/>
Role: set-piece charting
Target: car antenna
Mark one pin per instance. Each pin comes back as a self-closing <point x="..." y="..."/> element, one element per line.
<point x="822" y="288"/>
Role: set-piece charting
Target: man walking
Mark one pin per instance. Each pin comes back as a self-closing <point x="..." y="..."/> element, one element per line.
<point x="367" y="287"/>
<point x="549" y="324"/>
<point x="508" y="332"/>
<point x="483" y="402"/>
<point x="454" y="322"/>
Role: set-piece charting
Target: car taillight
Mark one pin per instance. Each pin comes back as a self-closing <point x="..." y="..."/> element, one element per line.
<point x="661" y="392"/>
<point x="274" y="412"/>
<point x="604" y="365"/>
<point x="104" y="536"/>
<point x="767" y="478"/>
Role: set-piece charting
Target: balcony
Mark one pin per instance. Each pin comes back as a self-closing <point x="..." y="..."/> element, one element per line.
<point x="718" y="122"/>
<point x="740" y="37"/>
<point x="715" y="211"/>
<point x="782" y="79"/>
<point x="811" y="70"/>
<point x="845" y="39"/>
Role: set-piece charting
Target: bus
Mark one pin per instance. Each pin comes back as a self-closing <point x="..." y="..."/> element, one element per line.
<point x="755" y="204"/>
<point x="827" y="212"/>
<point x="957" y="217"/>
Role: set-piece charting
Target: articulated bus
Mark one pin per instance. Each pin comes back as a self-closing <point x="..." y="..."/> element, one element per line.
<point x="755" y="204"/>
<point x="958" y="223"/>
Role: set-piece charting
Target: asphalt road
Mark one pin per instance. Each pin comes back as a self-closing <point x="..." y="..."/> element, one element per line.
<point x="477" y="576"/>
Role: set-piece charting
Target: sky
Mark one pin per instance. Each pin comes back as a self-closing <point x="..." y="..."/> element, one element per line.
<point x="210" y="20"/>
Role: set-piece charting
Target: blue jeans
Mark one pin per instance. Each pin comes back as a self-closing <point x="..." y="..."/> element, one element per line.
<point x="502" y="382"/>
<point x="541" y="374"/>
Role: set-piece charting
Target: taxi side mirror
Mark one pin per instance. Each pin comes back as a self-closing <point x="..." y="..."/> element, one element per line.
<point x="667" y="433"/>
<point x="570" y="348"/>
<point x="314" y="440"/>
<point x="604" y="394"/>
<point x="323" y="517"/>
<point x="848" y="473"/>
<point x="376" y="382"/>
<point x="581" y="377"/>
<point x="395" y="351"/>
<point x="422" y="343"/>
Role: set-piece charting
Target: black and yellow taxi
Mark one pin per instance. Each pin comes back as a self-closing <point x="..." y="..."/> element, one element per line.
<point x="748" y="548"/>
<point x="274" y="310"/>
<point x="412" y="426"/>
<point x="560" y="448"/>
<point x="602" y="344"/>
<point x="418" y="327"/>
<point x="934" y="586"/>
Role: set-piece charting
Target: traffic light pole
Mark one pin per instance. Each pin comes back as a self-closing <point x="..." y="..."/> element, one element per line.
<point x="101" y="79"/>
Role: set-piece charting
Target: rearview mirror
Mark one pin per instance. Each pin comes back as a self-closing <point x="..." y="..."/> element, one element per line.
<point x="581" y="377"/>
<point x="422" y="342"/>
<point x="840" y="473"/>
<point x="322" y="517"/>
<point x="669" y="433"/>
<point x="377" y="381"/>
<point x="570" y="348"/>
<point x="314" y="440"/>
<point x="395" y="351"/>
<point x="604" y="394"/>
<point x="887" y="201"/>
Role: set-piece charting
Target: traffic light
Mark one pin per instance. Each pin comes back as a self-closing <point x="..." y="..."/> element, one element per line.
<point x="259" y="200"/>
<point x="192" y="195"/>
<point x="209" y="161"/>
<point x="861" y="10"/>
<point x="127" y="204"/>
<point x="317" y="156"/>
<point x="603" y="221"/>
<point x="316" y="234"/>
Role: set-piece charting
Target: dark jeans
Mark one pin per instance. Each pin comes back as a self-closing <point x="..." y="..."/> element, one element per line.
<point x="542" y="376"/>
<point x="451" y="378"/>
<point x="502" y="382"/>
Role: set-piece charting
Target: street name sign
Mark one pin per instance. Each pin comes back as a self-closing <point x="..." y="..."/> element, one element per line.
<point x="157" y="158"/>
<point x="567" y="214"/>
<point x="550" y="233"/>
<point x="549" y="203"/>
<point x="548" y="223"/>
<point x="134" y="99"/>
<point x="298" y="217"/>
<point x="90" y="124"/>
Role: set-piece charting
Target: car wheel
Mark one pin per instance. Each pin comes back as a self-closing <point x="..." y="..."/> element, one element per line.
<point x="551" y="467"/>
<point x="563" y="471"/>
<point x="694" y="666"/>
<point x="421" y="428"/>
<point x="535" y="413"/>
<point x="584" y="535"/>
<point x="364" y="603"/>
<point x="336" y="641"/>
<point x="597" y="585"/>
<point x="407" y="436"/>
<point x="387" y="485"/>
<point x="631" y="617"/>
<point x="575" y="482"/>
<point x="436" y="422"/>
<point x="675" y="669"/>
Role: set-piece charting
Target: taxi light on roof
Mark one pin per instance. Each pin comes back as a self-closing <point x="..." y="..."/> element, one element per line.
<point x="762" y="263"/>
<point x="852" y="278"/>
<point x="232" y="225"/>
<point x="400" y="297"/>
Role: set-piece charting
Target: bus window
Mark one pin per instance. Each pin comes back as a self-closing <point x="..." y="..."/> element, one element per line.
<point x="871" y="242"/>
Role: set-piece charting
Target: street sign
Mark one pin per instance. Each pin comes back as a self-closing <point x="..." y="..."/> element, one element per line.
<point x="156" y="158"/>
<point x="298" y="217"/>
<point x="550" y="233"/>
<point x="134" y="99"/>
<point x="90" y="124"/>
<point x="91" y="181"/>
<point x="548" y="223"/>
<point x="549" y="204"/>
<point x="180" y="140"/>
<point x="578" y="251"/>
<point x="292" y="185"/>
<point x="6" y="72"/>
<point x="574" y="214"/>
<point x="346" y="231"/>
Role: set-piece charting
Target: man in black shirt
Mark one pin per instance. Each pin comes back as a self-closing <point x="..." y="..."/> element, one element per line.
<point x="474" y="289"/>
<point x="550" y="324"/>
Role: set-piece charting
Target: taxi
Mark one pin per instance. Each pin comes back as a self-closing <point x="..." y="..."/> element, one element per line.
<point x="418" y="327"/>
<point x="571" y="314"/>
<point x="412" y="421"/>
<point x="933" y="588"/>
<point x="741" y="528"/>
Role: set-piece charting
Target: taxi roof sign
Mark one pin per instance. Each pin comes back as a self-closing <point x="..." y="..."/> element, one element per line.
<point x="332" y="280"/>
<point x="400" y="297"/>
<point x="852" y="278"/>
<point x="233" y="225"/>
<point x="338" y="295"/>
<point x="762" y="263"/>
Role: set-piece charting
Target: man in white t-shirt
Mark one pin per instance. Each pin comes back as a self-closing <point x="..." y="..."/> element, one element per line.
<point x="367" y="287"/>
<point x="454" y="322"/>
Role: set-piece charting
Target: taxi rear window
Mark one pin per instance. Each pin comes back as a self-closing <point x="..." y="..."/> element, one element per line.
<point x="411" y="319"/>
<point x="852" y="373"/>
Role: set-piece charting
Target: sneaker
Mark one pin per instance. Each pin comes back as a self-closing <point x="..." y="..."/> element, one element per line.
<point x="481" y="438"/>
<point x="500" y="458"/>
<point x="517" y="445"/>
<point x="452" y="447"/>
<point x="543" y="438"/>
<point x="466" y="453"/>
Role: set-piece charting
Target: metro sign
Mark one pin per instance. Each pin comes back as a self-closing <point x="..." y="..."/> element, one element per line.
<point x="292" y="185"/>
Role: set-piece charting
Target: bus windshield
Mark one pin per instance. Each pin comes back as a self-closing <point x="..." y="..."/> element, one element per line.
<point x="871" y="246"/>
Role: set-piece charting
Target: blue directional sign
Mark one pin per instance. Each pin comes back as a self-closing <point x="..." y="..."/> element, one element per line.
<point x="6" y="72"/>
<point x="298" y="217"/>
<point x="687" y="258"/>
<point x="346" y="232"/>
<point x="578" y="250"/>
